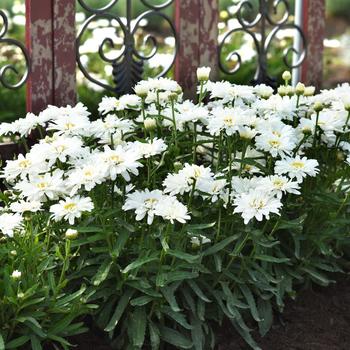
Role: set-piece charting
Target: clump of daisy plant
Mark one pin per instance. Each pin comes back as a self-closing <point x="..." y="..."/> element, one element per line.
<point x="165" y="216"/>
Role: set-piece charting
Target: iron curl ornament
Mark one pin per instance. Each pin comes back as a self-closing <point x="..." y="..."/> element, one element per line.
<point x="261" y="39"/>
<point x="6" y="69"/>
<point x="128" y="65"/>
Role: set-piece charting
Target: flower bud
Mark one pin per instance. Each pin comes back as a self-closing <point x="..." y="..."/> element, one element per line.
<point x="150" y="123"/>
<point x="282" y="90"/>
<point x="20" y="295"/>
<point x="318" y="106"/>
<point x="16" y="274"/>
<point x="13" y="252"/>
<point x="203" y="73"/>
<point x="340" y="156"/>
<point x="309" y="91"/>
<point x="286" y="76"/>
<point x="141" y="91"/>
<point x="71" y="233"/>
<point x="290" y="90"/>
<point x="177" y="166"/>
<point x="300" y="89"/>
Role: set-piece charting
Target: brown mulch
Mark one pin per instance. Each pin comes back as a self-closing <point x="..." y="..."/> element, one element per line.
<point x="318" y="320"/>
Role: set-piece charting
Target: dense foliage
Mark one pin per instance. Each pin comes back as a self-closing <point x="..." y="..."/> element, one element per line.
<point x="165" y="217"/>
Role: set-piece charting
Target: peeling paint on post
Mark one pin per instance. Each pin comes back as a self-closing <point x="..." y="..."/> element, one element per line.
<point x="50" y="37"/>
<point x="314" y="29"/>
<point x="39" y="43"/>
<point x="64" y="52"/>
<point x="197" y="27"/>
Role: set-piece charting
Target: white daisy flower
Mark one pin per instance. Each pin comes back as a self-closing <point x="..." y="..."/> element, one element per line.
<point x="169" y="208"/>
<point x="297" y="168"/>
<point x="278" y="185"/>
<point x="256" y="204"/>
<point x="143" y="203"/>
<point x="23" y="206"/>
<point x="10" y="223"/>
<point x="71" y="208"/>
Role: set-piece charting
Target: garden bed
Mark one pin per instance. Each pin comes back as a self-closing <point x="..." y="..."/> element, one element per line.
<point x="318" y="320"/>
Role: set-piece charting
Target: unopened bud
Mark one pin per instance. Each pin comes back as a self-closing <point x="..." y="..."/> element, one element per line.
<point x="286" y="76"/>
<point x="309" y="91"/>
<point x="71" y="233"/>
<point x="318" y="106"/>
<point x="150" y="123"/>
<point x="203" y="73"/>
<point x="300" y="89"/>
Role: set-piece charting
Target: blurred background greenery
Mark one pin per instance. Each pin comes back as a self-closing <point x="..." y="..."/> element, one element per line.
<point x="336" y="58"/>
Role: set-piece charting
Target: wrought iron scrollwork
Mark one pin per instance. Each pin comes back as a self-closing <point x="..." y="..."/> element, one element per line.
<point x="128" y="65"/>
<point x="262" y="41"/>
<point x="6" y="69"/>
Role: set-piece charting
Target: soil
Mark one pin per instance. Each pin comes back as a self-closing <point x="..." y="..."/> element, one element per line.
<point x="318" y="320"/>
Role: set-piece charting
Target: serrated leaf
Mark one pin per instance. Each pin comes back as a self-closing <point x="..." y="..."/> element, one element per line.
<point x="265" y="310"/>
<point x="35" y="343"/>
<point x="138" y="263"/>
<point x="251" y="301"/>
<point x="175" y="338"/>
<point x="2" y="343"/>
<point x="140" y="301"/>
<point x="138" y="326"/>
<point x="168" y="293"/>
<point x="15" y="343"/>
<point x="317" y="276"/>
<point x="154" y="335"/>
<point x="118" y="313"/>
<point x="120" y="243"/>
<point x="102" y="272"/>
<point x="183" y="256"/>
<point x="177" y="317"/>
<point x="198" y="291"/>
<point x="219" y="246"/>
<point x="271" y="259"/>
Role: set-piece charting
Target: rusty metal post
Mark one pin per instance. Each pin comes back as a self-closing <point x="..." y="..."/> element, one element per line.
<point x="197" y="26"/>
<point x="50" y="38"/>
<point x="314" y="28"/>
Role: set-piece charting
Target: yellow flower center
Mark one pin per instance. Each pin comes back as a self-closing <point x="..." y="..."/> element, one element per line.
<point x="115" y="158"/>
<point x="88" y="173"/>
<point x="42" y="185"/>
<point x="274" y="143"/>
<point x="229" y="120"/>
<point x="61" y="148"/>
<point x="278" y="183"/>
<point x="24" y="164"/>
<point x="257" y="204"/>
<point x="151" y="202"/>
<point x="69" y="125"/>
<point x="298" y="164"/>
<point x="69" y="206"/>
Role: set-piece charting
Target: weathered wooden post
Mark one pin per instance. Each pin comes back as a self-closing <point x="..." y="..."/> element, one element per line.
<point x="314" y="29"/>
<point x="197" y="26"/>
<point x="50" y="38"/>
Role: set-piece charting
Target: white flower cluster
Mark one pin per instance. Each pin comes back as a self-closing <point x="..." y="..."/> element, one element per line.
<point x="250" y="147"/>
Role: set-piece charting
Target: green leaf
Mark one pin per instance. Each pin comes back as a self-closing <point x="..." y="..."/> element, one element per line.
<point x="219" y="246"/>
<point x="271" y="259"/>
<point x="265" y="310"/>
<point x="2" y="343"/>
<point x="138" y="326"/>
<point x="120" y="243"/>
<point x="175" y="338"/>
<point x="35" y="342"/>
<point x="197" y="334"/>
<point x="183" y="256"/>
<point x="138" y="263"/>
<point x="177" y="317"/>
<point x="169" y="296"/>
<point x="140" y="301"/>
<point x="200" y="226"/>
<point x="118" y="313"/>
<point x="15" y="343"/>
<point x="154" y="335"/>
<point x="198" y="291"/>
<point x="170" y="277"/>
<point x="251" y="302"/>
<point x="102" y="273"/>
<point x="316" y="276"/>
